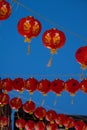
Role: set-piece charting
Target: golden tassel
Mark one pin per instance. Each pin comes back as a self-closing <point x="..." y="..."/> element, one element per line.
<point x="50" y="62"/>
<point x="83" y="66"/>
<point x="28" y="48"/>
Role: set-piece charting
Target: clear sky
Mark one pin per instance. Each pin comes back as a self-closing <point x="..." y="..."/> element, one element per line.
<point x="69" y="16"/>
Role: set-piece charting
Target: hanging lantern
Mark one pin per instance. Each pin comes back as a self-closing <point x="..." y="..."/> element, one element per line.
<point x="53" y="39"/>
<point x="51" y="126"/>
<point x="40" y="112"/>
<point x="30" y="125"/>
<point x="39" y="125"/>
<point x="69" y="123"/>
<point x="4" y="99"/>
<point x="57" y="86"/>
<point x="29" y="107"/>
<point x="31" y="85"/>
<point x="83" y="85"/>
<point x="80" y="125"/>
<point x="60" y="119"/>
<point x="15" y="103"/>
<point x="18" y="84"/>
<point x="44" y="86"/>
<point x="72" y="86"/>
<point x="3" y="121"/>
<point x="7" y="85"/>
<point x="81" y="56"/>
<point x="5" y="10"/>
<point x="29" y="27"/>
<point x="51" y="116"/>
<point x="20" y="123"/>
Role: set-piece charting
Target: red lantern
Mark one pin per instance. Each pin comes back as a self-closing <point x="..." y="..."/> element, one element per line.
<point x="81" y="56"/>
<point x="83" y="85"/>
<point x="51" y="116"/>
<point x="69" y="123"/>
<point x="72" y="86"/>
<point x="4" y="99"/>
<point x="52" y="126"/>
<point x="15" y="103"/>
<point x="44" y="86"/>
<point x="29" y="27"/>
<point x="80" y="125"/>
<point x="39" y="125"/>
<point x="29" y="107"/>
<point x="7" y="85"/>
<point x="40" y="112"/>
<point x="20" y="123"/>
<point x="53" y="39"/>
<point x="31" y="85"/>
<point x="18" y="84"/>
<point x="60" y="119"/>
<point x="3" y="121"/>
<point x="5" y="10"/>
<point x="30" y="125"/>
<point x="57" y="86"/>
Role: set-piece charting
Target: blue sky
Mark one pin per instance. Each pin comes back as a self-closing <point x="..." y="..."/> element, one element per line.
<point x="69" y="16"/>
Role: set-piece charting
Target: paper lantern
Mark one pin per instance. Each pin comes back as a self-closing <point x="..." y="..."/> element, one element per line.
<point x="4" y="99"/>
<point x="83" y="85"/>
<point x="30" y="125"/>
<point x="20" y="123"/>
<point x="39" y="125"/>
<point x="51" y="116"/>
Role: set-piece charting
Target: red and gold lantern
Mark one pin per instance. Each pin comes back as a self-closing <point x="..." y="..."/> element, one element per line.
<point x="83" y="85"/>
<point x="51" y="116"/>
<point x="30" y="125"/>
<point x="5" y="10"/>
<point x="20" y="123"/>
<point x="4" y="99"/>
<point x="69" y="123"/>
<point x="80" y="125"/>
<point x="51" y="126"/>
<point x="81" y="56"/>
<point x="3" y="121"/>
<point x="39" y="125"/>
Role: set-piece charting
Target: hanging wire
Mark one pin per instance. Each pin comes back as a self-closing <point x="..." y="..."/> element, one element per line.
<point x="49" y="21"/>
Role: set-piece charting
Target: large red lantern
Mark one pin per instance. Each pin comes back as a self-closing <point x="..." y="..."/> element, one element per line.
<point x="51" y="116"/>
<point x="81" y="56"/>
<point x="44" y="86"/>
<point x="83" y="85"/>
<point x="29" y="27"/>
<point x="20" y="123"/>
<point x="40" y="112"/>
<point x="69" y="123"/>
<point x="51" y="126"/>
<point x="39" y="125"/>
<point x="31" y="85"/>
<point x="29" y="107"/>
<point x="72" y="86"/>
<point x="18" y="84"/>
<point x="53" y="39"/>
<point x="15" y="103"/>
<point x="3" y="121"/>
<point x="57" y="86"/>
<point x="4" y="99"/>
<point x="80" y="125"/>
<point x="5" y="9"/>
<point x="7" y="84"/>
<point x="30" y="125"/>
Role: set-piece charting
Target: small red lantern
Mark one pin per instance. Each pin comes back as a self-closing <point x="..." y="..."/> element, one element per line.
<point x="39" y="125"/>
<point x="5" y="10"/>
<point x="7" y="84"/>
<point x="18" y="84"/>
<point x="81" y="56"/>
<point x="44" y="86"/>
<point x="40" y="112"/>
<point x="57" y="86"/>
<point x="52" y="126"/>
<point x="69" y="123"/>
<point x="83" y="85"/>
<point x="31" y="85"/>
<point x="72" y="86"/>
<point x="30" y="125"/>
<point x="51" y="116"/>
<point x="29" y="107"/>
<point x="80" y="125"/>
<point x="60" y="119"/>
<point x="4" y="99"/>
<point x="15" y="103"/>
<point x="53" y="39"/>
<point x="20" y="123"/>
<point x="29" y="27"/>
<point x="3" y="121"/>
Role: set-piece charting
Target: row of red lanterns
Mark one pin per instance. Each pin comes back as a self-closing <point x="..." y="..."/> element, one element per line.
<point x="44" y="86"/>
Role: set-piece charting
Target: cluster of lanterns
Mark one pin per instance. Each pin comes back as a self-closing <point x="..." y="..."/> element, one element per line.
<point x="44" y="86"/>
<point x="38" y="118"/>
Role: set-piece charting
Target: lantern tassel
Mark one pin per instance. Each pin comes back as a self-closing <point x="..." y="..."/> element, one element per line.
<point x="28" y="48"/>
<point x="50" y="61"/>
